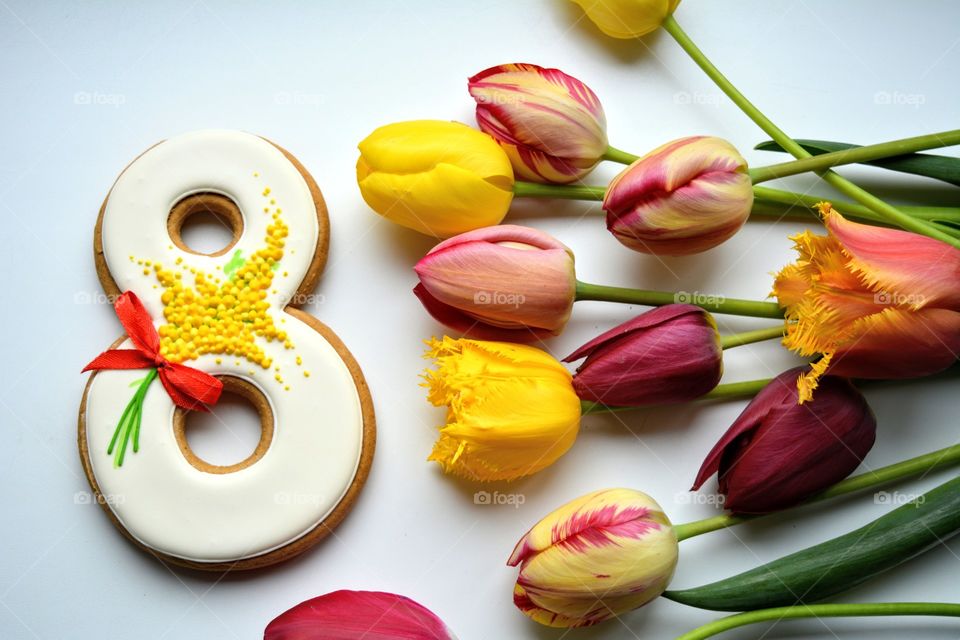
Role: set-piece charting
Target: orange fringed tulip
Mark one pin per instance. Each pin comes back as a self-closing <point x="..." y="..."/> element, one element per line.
<point x="875" y="302"/>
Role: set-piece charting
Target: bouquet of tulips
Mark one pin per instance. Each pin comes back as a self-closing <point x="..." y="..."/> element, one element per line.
<point x="872" y="294"/>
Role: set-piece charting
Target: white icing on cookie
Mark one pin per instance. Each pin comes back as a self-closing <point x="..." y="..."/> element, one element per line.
<point x="159" y="498"/>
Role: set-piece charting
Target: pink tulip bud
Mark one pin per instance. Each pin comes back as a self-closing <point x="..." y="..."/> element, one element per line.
<point x="668" y="354"/>
<point x="779" y="452"/>
<point x="685" y="197"/>
<point x="357" y="615"/>
<point x="550" y="124"/>
<point x="499" y="283"/>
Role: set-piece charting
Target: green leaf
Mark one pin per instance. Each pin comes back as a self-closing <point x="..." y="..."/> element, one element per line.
<point x="944" y="168"/>
<point x="839" y="564"/>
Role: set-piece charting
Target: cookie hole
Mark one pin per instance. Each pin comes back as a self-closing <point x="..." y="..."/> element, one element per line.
<point x="233" y="435"/>
<point x="207" y="224"/>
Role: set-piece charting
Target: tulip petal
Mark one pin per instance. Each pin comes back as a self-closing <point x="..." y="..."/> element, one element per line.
<point x="550" y="124"/>
<point x="627" y="19"/>
<point x="470" y="326"/>
<point x="912" y="270"/>
<point x="779" y="392"/>
<point x="822" y="442"/>
<point x="357" y="615"/>
<point x="645" y="320"/>
<point x="926" y="342"/>
<point x="599" y="556"/>
<point x="684" y="197"/>
<point x="511" y="408"/>
<point x="508" y="277"/>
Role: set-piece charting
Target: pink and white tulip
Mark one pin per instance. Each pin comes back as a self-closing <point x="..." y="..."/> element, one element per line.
<point x="358" y="615"/>
<point x="684" y="197"/>
<point x="594" y="558"/>
<point x="499" y="283"/>
<point x="550" y="124"/>
<point x="779" y="452"/>
<point x="668" y="354"/>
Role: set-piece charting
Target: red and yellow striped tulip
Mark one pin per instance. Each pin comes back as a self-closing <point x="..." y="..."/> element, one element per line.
<point x="627" y="18"/>
<point x="511" y="409"/>
<point x="551" y="125"/>
<point x="439" y="178"/>
<point x="594" y="558"/>
<point x="684" y="197"/>
<point x="875" y="302"/>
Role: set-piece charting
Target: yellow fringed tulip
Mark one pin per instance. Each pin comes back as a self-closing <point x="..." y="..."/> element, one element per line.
<point x="511" y="409"/>
<point x="439" y="178"/>
<point x="627" y="18"/>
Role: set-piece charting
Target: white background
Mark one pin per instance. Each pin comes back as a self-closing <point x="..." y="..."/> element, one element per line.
<point x="86" y="87"/>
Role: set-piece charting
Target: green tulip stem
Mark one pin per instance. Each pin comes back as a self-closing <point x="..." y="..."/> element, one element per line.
<point x="940" y="458"/>
<point x="749" y="337"/>
<point x="853" y="610"/>
<point x="764" y="197"/>
<point x="852" y="210"/>
<point x="890" y="213"/>
<point x="856" y="155"/>
<point x="726" y="391"/>
<point x="712" y="303"/>
<point x="563" y="191"/>
<point x="616" y="155"/>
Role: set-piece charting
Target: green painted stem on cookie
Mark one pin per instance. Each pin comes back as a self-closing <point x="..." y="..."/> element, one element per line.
<point x="856" y="155"/>
<point x="890" y="213"/>
<point x="869" y="609"/>
<point x="712" y="303"/>
<point x="129" y="424"/>
<point x="940" y="458"/>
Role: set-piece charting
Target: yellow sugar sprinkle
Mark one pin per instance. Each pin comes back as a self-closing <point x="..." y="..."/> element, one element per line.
<point x="286" y="388"/>
<point x="219" y="360"/>
<point x="299" y="360"/>
<point x="256" y="174"/>
<point x="306" y="374"/>
<point x="266" y="191"/>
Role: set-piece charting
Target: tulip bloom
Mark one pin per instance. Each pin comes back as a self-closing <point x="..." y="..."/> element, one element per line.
<point x="472" y="283"/>
<point x="550" y="124"/>
<point x="511" y="409"/>
<point x="438" y="178"/>
<point x="876" y="302"/>
<point x="627" y="18"/>
<point x="668" y="354"/>
<point x="779" y="452"/>
<point x="596" y="557"/>
<point x="357" y="615"/>
<point x="684" y="197"/>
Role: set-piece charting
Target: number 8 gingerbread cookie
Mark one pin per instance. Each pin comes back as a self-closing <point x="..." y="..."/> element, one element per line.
<point x="197" y="324"/>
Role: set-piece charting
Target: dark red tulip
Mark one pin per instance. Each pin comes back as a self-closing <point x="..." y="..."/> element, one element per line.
<point x="779" y="452"/>
<point x="668" y="354"/>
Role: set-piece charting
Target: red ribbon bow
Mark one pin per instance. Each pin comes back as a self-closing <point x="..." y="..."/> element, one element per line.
<point x="188" y="387"/>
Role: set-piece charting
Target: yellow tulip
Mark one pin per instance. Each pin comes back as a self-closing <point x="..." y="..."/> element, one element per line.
<point x="439" y="178"/>
<point x="511" y="409"/>
<point x="627" y="18"/>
